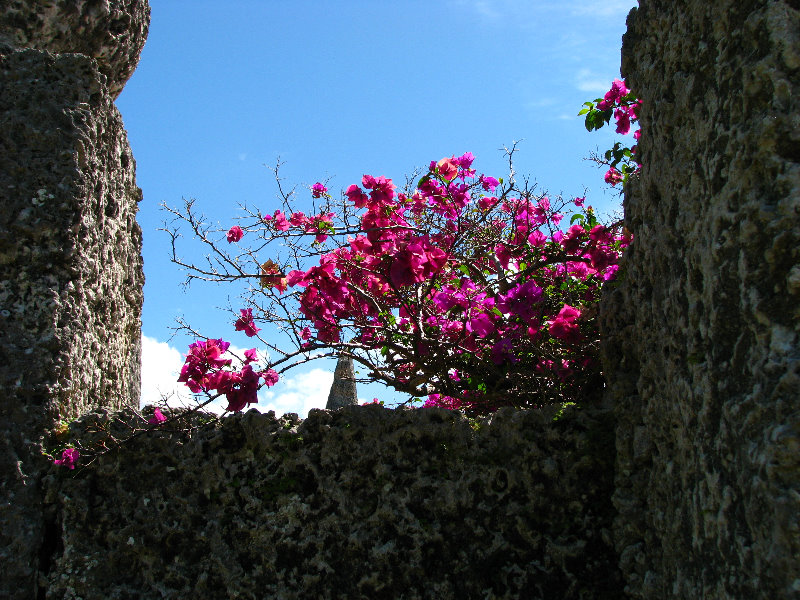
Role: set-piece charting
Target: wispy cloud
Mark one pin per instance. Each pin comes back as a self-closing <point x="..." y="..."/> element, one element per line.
<point x="589" y="81"/>
<point x="531" y="12"/>
<point x="615" y="9"/>
<point x="540" y="103"/>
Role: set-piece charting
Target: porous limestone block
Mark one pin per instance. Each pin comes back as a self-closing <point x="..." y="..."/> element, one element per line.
<point x="701" y="328"/>
<point x="70" y="275"/>
<point x="111" y="31"/>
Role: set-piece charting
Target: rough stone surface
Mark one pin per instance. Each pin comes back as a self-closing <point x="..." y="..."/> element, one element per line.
<point x="699" y="454"/>
<point x="111" y="31"/>
<point x="343" y="389"/>
<point x="70" y="276"/>
<point x="362" y="502"/>
<point x="701" y="331"/>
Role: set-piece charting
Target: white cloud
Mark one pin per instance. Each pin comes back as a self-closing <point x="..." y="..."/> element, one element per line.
<point x="161" y="365"/>
<point x="297" y="393"/>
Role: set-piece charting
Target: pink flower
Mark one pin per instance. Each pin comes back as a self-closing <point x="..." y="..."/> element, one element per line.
<point x="487" y="202"/>
<point x="618" y="90"/>
<point x="270" y="377"/>
<point x="579" y="201"/>
<point x="564" y="326"/>
<point x="250" y="356"/>
<point x="613" y="176"/>
<point x="537" y="239"/>
<point x="481" y="325"/>
<point x="69" y="458"/>
<point x="356" y="196"/>
<point x="158" y="417"/>
<point x="281" y="224"/>
<point x="296" y="277"/>
<point x="239" y="388"/>
<point x="502" y="351"/>
<point x="382" y="188"/>
<point x="317" y="190"/>
<point x="503" y="255"/>
<point x="489" y="183"/>
<point x="298" y="219"/>
<point x="245" y="323"/>
<point x="447" y="168"/>
<point x="572" y="240"/>
<point x="235" y="233"/>
<point x="521" y="301"/>
<point x="623" y="121"/>
<point x="203" y="357"/>
<point x="465" y="161"/>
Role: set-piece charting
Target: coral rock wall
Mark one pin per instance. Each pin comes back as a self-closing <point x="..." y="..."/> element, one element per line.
<point x="702" y="330"/>
<point x="362" y="502"/>
<point x="70" y="248"/>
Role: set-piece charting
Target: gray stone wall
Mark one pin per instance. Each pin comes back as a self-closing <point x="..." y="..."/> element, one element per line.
<point x="70" y="248"/>
<point x="701" y="331"/>
<point x="361" y="502"/>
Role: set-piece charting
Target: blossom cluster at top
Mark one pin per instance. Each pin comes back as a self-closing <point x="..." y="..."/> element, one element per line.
<point x="623" y="105"/>
<point x="453" y="275"/>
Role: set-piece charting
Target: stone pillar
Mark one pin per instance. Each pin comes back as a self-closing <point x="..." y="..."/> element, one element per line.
<point x="70" y="248"/>
<point x="701" y="328"/>
<point x="343" y="388"/>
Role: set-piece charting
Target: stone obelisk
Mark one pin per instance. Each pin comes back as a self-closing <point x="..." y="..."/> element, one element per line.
<point x="343" y="388"/>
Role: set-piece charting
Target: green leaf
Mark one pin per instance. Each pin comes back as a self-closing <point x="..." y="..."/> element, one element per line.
<point x="583" y="112"/>
<point x="576" y="217"/>
<point x="423" y="180"/>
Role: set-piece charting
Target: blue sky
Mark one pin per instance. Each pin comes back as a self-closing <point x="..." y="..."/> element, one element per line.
<point x="336" y="90"/>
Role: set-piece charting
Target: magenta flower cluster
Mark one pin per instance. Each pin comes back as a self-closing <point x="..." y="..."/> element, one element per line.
<point x="621" y="104"/>
<point x="206" y="370"/>
<point x="404" y="286"/>
<point x="234" y="234"/>
<point x="69" y="458"/>
<point x="318" y="190"/>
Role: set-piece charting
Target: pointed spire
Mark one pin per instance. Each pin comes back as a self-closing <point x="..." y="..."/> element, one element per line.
<point x="343" y="389"/>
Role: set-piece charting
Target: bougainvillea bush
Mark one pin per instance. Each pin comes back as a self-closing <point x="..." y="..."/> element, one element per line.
<point x="463" y="290"/>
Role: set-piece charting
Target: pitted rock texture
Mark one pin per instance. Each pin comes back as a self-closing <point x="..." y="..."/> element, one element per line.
<point x="70" y="275"/>
<point x="701" y="328"/>
<point x="111" y="31"/>
<point x="343" y="389"/>
<point x="361" y="502"/>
